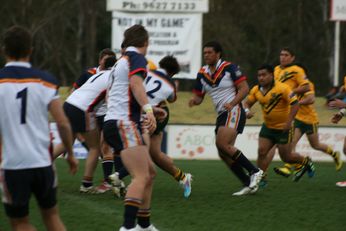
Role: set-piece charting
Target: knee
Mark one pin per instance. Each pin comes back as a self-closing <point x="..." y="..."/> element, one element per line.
<point x="262" y="152"/>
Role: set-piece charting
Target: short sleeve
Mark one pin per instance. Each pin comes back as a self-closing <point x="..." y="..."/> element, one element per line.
<point x="252" y="94"/>
<point x="236" y="74"/>
<point x="138" y="65"/>
<point x="198" y="88"/>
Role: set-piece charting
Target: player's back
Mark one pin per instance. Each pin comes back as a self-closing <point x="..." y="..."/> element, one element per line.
<point x="25" y="94"/>
<point x="121" y="104"/>
<point x="159" y="87"/>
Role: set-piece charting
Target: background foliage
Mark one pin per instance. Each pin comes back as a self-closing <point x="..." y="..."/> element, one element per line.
<point x="69" y="33"/>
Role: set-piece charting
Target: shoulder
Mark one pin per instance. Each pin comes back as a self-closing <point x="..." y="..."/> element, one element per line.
<point x="136" y="58"/>
<point x="46" y="76"/>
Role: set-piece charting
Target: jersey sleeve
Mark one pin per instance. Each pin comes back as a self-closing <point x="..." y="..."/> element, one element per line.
<point x="236" y="74"/>
<point x="82" y="79"/>
<point x="198" y="88"/>
<point x="50" y="86"/>
<point x="289" y="95"/>
<point x="138" y="65"/>
<point x="301" y="77"/>
<point x="252" y="94"/>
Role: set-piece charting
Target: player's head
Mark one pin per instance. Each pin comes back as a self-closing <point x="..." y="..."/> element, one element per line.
<point x="287" y="56"/>
<point x="17" y="43"/>
<point x="265" y="75"/>
<point x="136" y="36"/>
<point x="170" y="64"/>
<point x="212" y="52"/>
<point x="109" y="62"/>
<point x="103" y="55"/>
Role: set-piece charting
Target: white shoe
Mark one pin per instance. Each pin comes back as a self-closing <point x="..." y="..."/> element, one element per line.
<point x="186" y="184"/>
<point x="255" y="179"/>
<point x="122" y="228"/>
<point x="149" y="228"/>
<point x="341" y="184"/>
<point x="89" y="190"/>
<point x="115" y="179"/>
<point x="244" y="191"/>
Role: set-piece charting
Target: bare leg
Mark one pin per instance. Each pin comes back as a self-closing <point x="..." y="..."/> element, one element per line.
<point x="21" y="224"/>
<point x="52" y="219"/>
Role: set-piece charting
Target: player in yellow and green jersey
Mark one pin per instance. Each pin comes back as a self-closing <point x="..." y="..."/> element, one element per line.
<point x="279" y="107"/>
<point x="306" y="122"/>
<point x="295" y="77"/>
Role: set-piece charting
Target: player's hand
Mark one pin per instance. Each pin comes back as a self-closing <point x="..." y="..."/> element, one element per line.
<point x="160" y="114"/>
<point x="336" y="103"/>
<point x="228" y="106"/>
<point x="249" y="114"/>
<point x="336" y="118"/>
<point x="287" y="126"/>
<point x="73" y="163"/>
<point x="149" y="122"/>
<point x="192" y="102"/>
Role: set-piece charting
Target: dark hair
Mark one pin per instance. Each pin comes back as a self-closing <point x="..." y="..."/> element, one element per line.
<point x="135" y="36"/>
<point x="110" y="61"/>
<point x="106" y="51"/>
<point x="267" y="67"/>
<point x="289" y="50"/>
<point x="215" y="45"/>
<point x="17" y="42"/>
<point x="170" y="64"/>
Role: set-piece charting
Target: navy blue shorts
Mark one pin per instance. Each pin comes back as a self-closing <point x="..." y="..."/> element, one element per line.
<point x="18" y="185"/>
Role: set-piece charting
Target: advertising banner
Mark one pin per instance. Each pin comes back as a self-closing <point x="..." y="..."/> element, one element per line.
<point x="169" y="34"/>
<point x="198" y="142"/>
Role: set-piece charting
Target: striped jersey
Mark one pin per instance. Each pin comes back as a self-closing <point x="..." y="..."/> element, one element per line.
<point x="275" y="103"/>
<point x="307" y="113"/>
<point x="220" y="85"/>
<point x="25" y="94"/>
<point x="293" y="75"/>
<point x="91" y="95"/>
<point x="121" y="103"/>
<point x="159" y="87"/>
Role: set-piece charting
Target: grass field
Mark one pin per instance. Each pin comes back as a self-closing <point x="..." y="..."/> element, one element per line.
<point x="311" y="204"/>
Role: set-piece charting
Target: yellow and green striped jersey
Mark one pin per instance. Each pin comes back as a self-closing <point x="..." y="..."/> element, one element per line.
<point x="275" y="103"/>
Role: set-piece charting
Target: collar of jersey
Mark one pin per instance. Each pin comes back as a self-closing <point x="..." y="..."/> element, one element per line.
<point x="132" y="48"/>
<point x="18" y="64"/>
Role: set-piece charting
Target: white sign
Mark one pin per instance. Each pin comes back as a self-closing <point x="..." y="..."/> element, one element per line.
<point x="338" y="10"/>
<point x="198" y="142"/>
<point x="158" y="5"/>
<point x="169" y="34"/>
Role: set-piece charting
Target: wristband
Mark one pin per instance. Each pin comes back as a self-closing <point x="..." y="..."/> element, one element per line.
<point x="343" y="112"/>
<point x="247" y="110"/>
<point x="147" y="108"/>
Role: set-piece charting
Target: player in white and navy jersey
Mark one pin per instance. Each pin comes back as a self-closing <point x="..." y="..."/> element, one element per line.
<point x="123" y="129"/>
<point x="227" y="86"/>
<point x="26" y="96"/>
<point x="80" y="108"/>
<point x="160" y="88"/>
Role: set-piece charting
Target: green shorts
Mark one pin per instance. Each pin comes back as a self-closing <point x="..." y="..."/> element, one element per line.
<point x="277" y="136"/>
<point x="160" y="126"/>
<point x="306" y="128"/>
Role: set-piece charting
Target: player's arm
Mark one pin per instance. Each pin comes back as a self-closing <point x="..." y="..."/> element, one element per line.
<point x="138" y="90"/>
<point x="337" y="103"/>
<point x="302" y="89"/>
<point x="65" y="132"/>
<point x="307" y="99"/>
<point x="293" y="111"/>
<point x="242" y="91"/>
<point x="195" y="100"/>
<point x="249" y="102"/>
